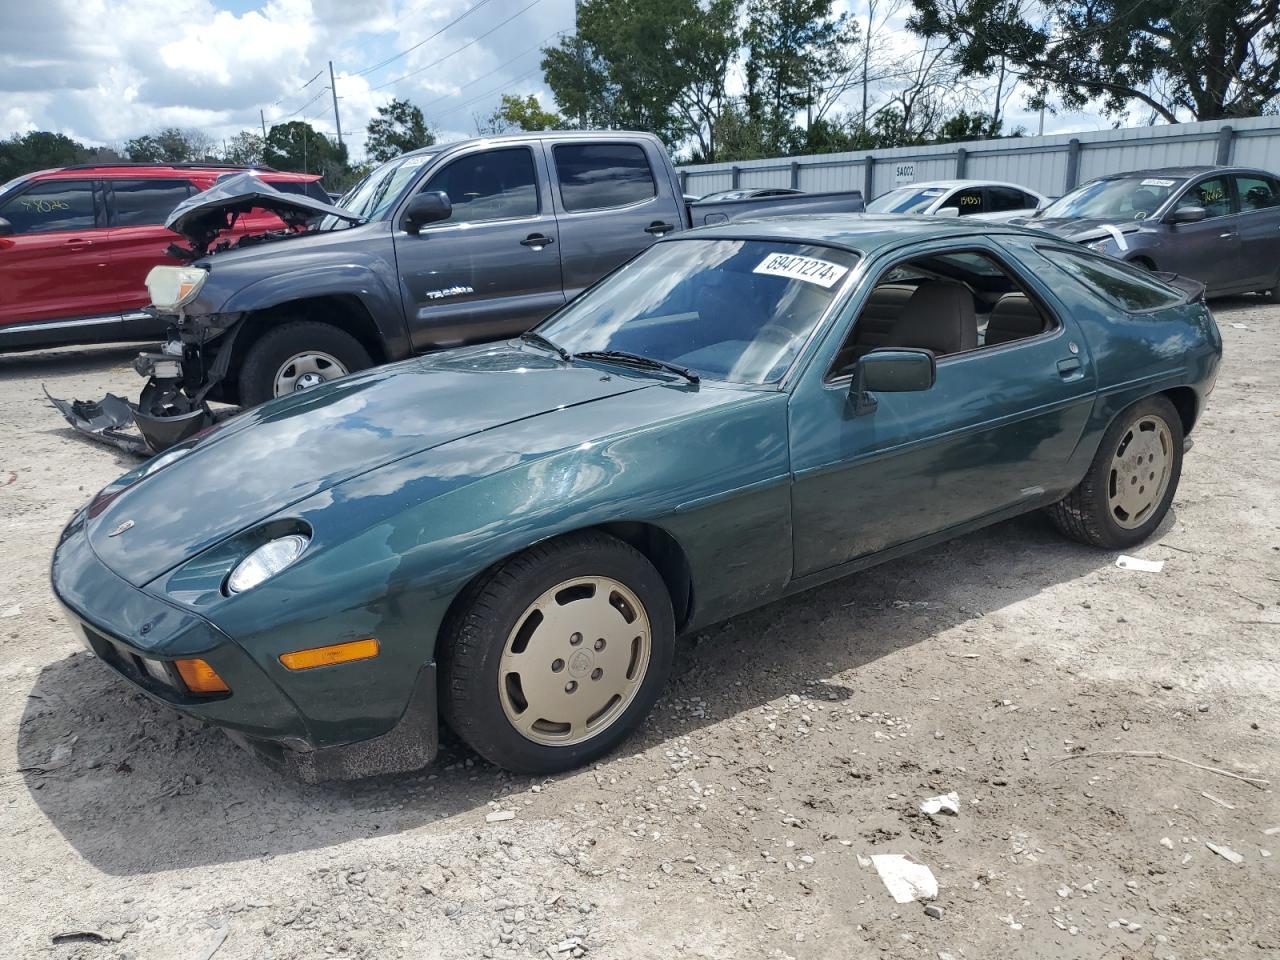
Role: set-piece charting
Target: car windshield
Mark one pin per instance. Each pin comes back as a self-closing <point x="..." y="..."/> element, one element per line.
<point x="371" y="197"/>
<point x="735" y="310"/>
<point x="905" y="200"/>
<point x="1123" y="198"/>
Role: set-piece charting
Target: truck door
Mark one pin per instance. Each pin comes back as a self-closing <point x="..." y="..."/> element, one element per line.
<point x="493" y="268"/>
<point x="612" y="204"/>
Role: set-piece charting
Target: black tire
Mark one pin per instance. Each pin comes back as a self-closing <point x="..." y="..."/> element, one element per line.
<point x="472" y="643"/>
<point x="277" y="345"/>
<point x="1084" y="514"/>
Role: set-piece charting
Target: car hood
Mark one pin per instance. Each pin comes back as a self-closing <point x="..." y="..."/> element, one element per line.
<point x="1082" y="230"/>
<point x="275" y="455"/>
<point x="204" y="215"/>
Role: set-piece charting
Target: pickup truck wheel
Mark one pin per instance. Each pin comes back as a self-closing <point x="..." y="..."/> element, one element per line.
<point x="557" y="654"/>
<point x="1131" y="482"/>
<point x="297" y="356"/>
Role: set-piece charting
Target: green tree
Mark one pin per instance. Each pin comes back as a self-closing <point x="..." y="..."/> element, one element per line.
<point x="245" y="147"/>
<point x="800" y="56"/>
<point x="522" y="113"/>
<point x="297" y="146"/>
<point x="171" y="145"/>
<point x="38" y="150"/>
<point x="1213" y="59"/>
<point x="658" y="66"/>
<point x="398" y="128"/>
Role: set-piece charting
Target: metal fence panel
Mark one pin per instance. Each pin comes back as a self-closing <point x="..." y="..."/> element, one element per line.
<point x="1043" y="163"/>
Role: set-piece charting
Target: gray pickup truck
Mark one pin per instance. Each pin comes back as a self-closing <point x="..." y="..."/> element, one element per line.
<point x="447" y="245"/>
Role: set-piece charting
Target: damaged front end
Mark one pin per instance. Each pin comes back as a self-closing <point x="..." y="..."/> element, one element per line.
<point x="196" y="355"/>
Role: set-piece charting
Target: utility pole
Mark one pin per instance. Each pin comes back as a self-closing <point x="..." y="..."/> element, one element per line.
<point x="333" y="88"/>
<point x="263" y="117"/>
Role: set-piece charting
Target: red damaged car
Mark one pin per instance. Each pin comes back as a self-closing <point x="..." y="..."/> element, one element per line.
<point x="76" y="244"/>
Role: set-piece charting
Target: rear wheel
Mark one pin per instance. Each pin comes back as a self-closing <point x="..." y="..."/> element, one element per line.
<point x="1131" y="482"/>
<point x="297" y="356"/>
<point x="557" y="654"/>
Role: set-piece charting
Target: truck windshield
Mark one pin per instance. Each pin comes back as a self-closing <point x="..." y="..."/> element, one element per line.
<point x="1127" y="198"/>
<point x="735" y="310"/>
<point x="371" y="197"/>
<point x="905" y="200"/>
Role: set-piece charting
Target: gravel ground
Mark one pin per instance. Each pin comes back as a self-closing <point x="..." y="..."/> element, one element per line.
<point x="794" y="743"/>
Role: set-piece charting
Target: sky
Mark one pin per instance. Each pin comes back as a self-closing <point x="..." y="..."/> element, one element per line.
<point x="103" y="71"/>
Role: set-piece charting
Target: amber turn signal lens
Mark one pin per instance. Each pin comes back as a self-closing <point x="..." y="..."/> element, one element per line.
<point x="200" y="677"/>
<point x="333" y="653"/>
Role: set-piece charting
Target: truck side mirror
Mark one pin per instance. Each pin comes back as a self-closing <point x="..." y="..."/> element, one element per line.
<point x="6" y="228"/>
<point x="889" y="370"/>
<point x="429" y="207"/>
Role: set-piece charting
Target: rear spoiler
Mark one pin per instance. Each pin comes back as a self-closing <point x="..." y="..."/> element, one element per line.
<point x="1192" y="290"/>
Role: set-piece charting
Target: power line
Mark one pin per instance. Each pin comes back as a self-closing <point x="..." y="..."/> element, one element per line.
<point x="498" y="89"/>
<point x="382" y="63"/>
<point x="474" y="80"/>
<point x="286" y="96"/>
<point x="413" y="73"/>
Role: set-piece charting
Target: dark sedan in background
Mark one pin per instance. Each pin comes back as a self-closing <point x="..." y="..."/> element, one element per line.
<point x="1218" y="225"/>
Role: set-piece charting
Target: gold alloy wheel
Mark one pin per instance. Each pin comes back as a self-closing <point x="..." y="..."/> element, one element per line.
<point x="1140" y="470"/>
<point x="574" y="661"/>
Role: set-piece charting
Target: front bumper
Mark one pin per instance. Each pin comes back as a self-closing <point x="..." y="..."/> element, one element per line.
<point x="139" y="636"/>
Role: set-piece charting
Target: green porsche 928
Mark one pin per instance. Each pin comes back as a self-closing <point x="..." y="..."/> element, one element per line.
<point x="511" y="536"/>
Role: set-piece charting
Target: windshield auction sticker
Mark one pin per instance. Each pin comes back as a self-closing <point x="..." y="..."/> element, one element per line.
<point x="1157" y="182"/>
<point x="794" y="267"/>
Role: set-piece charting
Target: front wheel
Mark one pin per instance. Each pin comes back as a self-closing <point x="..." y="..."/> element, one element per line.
<point x="1130" y="483"/>
<point x="298" y="356"/>
<point x="557" y="654"/>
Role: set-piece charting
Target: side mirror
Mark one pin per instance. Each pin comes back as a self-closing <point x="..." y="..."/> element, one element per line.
<point x="889" y="370"/>
<point x="6" y="228"/>
<point x="947" y="212"/>
<point x="1187" y="215"/>
<point x="430" y="207"/>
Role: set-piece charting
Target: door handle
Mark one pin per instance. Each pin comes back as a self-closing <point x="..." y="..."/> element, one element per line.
<point x="1228" y="235"/>
<point x="536" y="240"/>
<point x="1070" y="368"/>
<point x="658" y="228"/>
<point x="78" y="243"/>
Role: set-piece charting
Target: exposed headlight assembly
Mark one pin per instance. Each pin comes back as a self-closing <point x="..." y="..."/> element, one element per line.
<point x="265" y="562"/>
<point x="174" y="287"/>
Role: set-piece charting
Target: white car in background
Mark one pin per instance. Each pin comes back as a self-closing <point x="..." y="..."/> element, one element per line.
<point x="980" y="199"/>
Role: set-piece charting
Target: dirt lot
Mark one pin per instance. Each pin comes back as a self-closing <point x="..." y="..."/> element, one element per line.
<point x="795" y="742"/>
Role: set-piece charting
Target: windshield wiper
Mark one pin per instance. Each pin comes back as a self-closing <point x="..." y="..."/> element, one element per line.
<point x="637" y="360"/>
<point x="533" y="336"/>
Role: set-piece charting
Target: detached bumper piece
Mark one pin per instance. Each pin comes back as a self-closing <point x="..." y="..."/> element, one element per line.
<point x="108" y="420"/>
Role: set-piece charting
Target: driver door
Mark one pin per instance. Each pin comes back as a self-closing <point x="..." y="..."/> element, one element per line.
<point x="1210" y="249"/>
<point x="493" y="268"/>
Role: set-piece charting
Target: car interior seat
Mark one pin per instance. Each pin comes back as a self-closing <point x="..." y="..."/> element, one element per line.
<point x="939" y="316"/>
<point x="1014" y="317"/>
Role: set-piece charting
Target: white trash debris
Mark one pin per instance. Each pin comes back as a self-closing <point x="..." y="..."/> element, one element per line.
<point x="1218" y="800"/>
<point x="1126" y="562"/>
<point x="946" y="803"/>
<point x="1241" y="326"/>
<point x="1225" y="852"/>
<point x="497" y="816"/>
<point x="904" y="877"/>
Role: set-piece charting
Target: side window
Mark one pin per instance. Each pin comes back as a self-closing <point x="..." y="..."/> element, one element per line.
<point x="491" y="185"/>
<point x="1003" y="199"/>
<point x="51" y="206"/>
<point x="947" y="303"/>
<point x="1257" y="192"/>
<point x="137" y="203"/>
<point x="1212" y="194"/>
<point x="967" y="201"/>
<point x="1121" y="284"/>
<point x="598" y="176"/>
